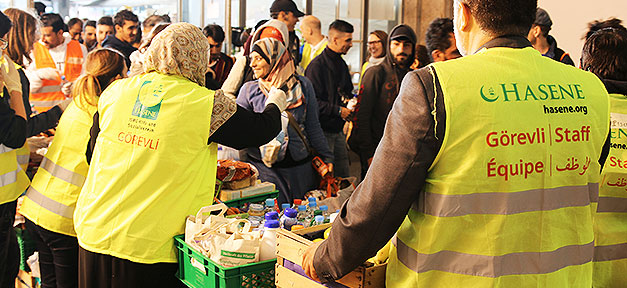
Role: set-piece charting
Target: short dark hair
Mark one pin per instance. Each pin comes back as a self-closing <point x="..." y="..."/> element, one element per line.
<point x="52" y="20"/>
<point x="543" y="29"/>
<point x="105" y="20"/>
<point x="342" y="26"/>
<point x="605" y="54"/>
<point x="504" y="17"/>
<point x="597" y="25"/>
<point x="215" y="32"/>
<point x="124" y="15"/>
<point x="5" y="24"/>
<point x="73" y="22"/>
<point x="90" y="23"/>
<point x="40" y="8"/>
<point x="438" y="35"/>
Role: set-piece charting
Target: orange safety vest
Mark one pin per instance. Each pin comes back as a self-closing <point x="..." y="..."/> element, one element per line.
<point x="50" y="93"/>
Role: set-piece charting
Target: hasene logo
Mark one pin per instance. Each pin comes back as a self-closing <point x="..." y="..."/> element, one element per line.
<point x="514" y="92"/>
<point x="148" y="101"/>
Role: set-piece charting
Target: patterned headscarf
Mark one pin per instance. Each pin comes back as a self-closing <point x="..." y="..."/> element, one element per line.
<point x="282" y="73"/>
<point x="180" y="49"/>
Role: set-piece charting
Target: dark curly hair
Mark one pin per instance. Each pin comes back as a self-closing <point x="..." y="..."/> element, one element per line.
<point x="605" y="54"/>
<point x="503" y="17"/>
<point x="438" y="35"/>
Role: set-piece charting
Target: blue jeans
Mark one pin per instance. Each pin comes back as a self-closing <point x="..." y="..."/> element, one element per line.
<point x="337" y="145"/>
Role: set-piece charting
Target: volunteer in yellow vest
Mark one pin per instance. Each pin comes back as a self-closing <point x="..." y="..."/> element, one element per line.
<point x="315" y="42"/>
<point x="605" y="55"/>
<point x="57" y="62"/>
<point x="154" y="144"/>
<point x="13" y="180"/>
<point x="488" y="169"/>
<point x="50" y="201"/>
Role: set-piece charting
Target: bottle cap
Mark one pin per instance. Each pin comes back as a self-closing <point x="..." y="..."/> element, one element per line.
<point x="297" y="227"/>
<point x="269" y="202"/>
<point x="324" y="208"/>
<point x="272" y="224"/>
<point x="298" y="202"/>
<point x="311" y="199"/>
<point x="285" y="206"/>
<point x="256" y="207"/>
<point x="302" y="208"/>
<point x="312" y="204"/>
<point x="272" y="215"/>
<point x="291" y="212"/>
<point x="319" y="218"/>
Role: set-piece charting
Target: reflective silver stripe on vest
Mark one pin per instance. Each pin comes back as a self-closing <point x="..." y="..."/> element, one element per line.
<point x="610" y="252"/>
<point x="74" y="60"/>
<point x="8" y="178"/>
<point x="612" y="204"/>
<point x="23" y="159"/>
<point x="49" y="89"/>
<point x="500" y="203"/>
<point x="49" y="204"/>
<point x="45" y="103"/>
<point x="494" y="266"/>
<point x="62" y="173"/>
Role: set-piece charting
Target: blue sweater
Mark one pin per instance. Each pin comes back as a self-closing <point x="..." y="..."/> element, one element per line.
<point x="252" y="98"/>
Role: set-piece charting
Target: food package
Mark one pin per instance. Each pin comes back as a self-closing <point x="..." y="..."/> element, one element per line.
<point x="236" y="174"/>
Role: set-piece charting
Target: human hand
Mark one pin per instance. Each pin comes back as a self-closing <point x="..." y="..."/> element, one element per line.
<point x="278" y="98"/>
<point x="330" y="166"/>
<point x="47" y="73"/>
<point x="345" y="112"/>
<point x="67" y="88"/>
<point x="308" y="259"/>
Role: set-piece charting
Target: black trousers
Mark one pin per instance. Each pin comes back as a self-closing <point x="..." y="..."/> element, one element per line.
<point x="9" y="251"/>
<point x="105" y="271"/>
<point x="58" y="257"/>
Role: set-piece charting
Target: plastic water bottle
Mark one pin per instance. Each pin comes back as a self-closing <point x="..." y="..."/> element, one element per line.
<point x="267" y="249"/>
<point x="289" y="218"/>
<point x="312" y="206"/>
<point x="302" y="215"/>
<point x="312" y="218"/>
<point x="283" y="207"/>
<point x="269" y="205"/>
<point x="325" y="212"/>
<point x="319" y="220"/>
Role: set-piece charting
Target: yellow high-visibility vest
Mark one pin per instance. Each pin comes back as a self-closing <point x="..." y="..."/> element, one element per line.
<point x="13" y="180"/>
<point x="610" y="221"/>
<point x="508" y="201"/>
<point x="51" y="198"/>
<point x="306" y="56"/>
<point x="151" y="167"/>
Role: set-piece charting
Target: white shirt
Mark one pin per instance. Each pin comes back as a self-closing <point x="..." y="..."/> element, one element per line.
<point x="317" y="47"/>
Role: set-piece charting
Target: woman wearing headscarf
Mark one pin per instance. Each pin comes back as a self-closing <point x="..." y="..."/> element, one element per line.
<point x="154" y="161"/>
<point x="291" y="171"/>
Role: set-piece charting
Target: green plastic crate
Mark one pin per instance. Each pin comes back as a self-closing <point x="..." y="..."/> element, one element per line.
<point x="260" y="274"/>
<point x="252" y="199"/>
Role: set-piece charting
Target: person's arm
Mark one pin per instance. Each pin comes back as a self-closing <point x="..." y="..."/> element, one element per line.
<point x="42" y="121"/>
<point x="317" y="75"/>
<point x="368" y="95"/>
<point x="234" y="81"/>
<point x="238" y="128"/>
<point x="315" y="136"/>
<point x="378" y="206"/>
<point x="93" y="135"/>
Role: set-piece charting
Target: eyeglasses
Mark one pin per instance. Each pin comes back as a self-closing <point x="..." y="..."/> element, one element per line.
<point x="4" y="44"/>
<point x="372" y="43"/>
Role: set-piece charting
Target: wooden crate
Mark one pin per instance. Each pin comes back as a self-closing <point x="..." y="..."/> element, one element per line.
<point x="291" y="246"/>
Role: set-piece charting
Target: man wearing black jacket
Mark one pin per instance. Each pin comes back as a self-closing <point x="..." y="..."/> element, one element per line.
<point x="379" y="88"/>
<point x="331" y="80"/>
<point x="126" y="26"/>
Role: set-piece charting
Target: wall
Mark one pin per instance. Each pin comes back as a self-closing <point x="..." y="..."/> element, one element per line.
<point x="571" y="18"/>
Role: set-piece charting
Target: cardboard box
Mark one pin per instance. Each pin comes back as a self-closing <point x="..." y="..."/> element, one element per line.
<point x="258" y="188"/>
<point x="291" y="246"/>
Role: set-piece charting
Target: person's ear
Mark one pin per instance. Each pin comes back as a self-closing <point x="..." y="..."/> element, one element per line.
<point x="437" y="55"/>
<point x="464" y="16"/>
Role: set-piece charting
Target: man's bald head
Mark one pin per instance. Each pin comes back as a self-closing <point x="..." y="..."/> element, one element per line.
<point x="310" y="28"/>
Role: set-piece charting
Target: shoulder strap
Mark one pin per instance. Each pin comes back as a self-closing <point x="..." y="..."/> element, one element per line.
<point x="299" y="131"/>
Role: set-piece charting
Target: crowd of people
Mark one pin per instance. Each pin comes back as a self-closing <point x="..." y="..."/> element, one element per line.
<point x="139" y="108"/>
